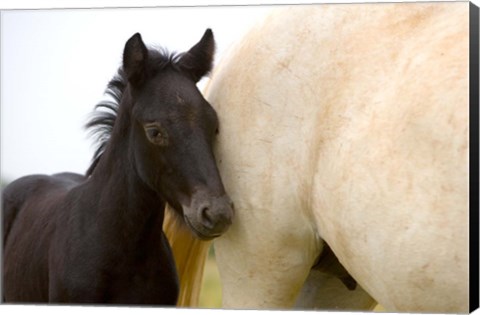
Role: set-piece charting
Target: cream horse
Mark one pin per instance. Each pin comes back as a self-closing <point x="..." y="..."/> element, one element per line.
<point x="347" y="125"/>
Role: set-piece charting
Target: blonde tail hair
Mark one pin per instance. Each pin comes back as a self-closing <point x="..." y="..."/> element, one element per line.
<point x="190" y="255"/>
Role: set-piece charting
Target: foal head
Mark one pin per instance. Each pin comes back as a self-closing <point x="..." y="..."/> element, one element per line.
<point x="171" y="132"/>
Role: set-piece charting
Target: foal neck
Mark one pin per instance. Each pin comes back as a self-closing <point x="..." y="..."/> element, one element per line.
<point x="122" y="193"/>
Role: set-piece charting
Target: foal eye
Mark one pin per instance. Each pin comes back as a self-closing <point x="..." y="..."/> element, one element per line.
<point x="156" y="134"/>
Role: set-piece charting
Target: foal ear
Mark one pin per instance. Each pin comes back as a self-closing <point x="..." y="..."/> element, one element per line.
<point x="198" y="61"/>
<point x="134" y="60"/>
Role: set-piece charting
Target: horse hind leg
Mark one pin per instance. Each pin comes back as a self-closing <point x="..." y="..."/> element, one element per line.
<point x="265" y="268"/>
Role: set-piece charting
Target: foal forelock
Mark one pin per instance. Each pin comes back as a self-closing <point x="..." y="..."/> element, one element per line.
<point x="104" y="116"/>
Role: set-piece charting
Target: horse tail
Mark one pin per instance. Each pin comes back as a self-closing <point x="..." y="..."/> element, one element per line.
<point x="190" y="255"/>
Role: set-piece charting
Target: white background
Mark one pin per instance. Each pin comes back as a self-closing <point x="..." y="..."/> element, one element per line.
<point x="55" y="65"/>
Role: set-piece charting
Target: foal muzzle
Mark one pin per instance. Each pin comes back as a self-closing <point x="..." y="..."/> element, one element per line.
<point x="209" y="216"/>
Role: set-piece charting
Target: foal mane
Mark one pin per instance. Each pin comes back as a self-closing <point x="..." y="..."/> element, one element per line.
<point x="102" y="121"/>
<point x="104" y="116"/>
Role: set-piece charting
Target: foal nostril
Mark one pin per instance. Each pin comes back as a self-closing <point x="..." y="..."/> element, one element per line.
<point x="206" y="217"/>
<point x="214" y="215"/>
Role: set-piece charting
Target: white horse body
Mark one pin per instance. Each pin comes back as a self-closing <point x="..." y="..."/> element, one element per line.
<point x="348" y="124"/>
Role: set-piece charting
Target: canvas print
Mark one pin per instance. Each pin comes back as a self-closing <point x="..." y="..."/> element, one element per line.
<point x="305" y="157"/>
